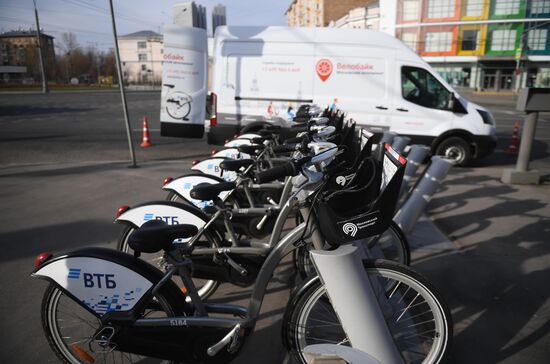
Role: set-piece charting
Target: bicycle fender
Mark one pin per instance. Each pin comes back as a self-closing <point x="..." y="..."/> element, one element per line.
<point x="211" y="166"/>
<point x="184" y="184"/>
<point x="168" y="211"/>
<point x="232" y="153"/>
<point x="249" y="136"/>
<point x="236" y="142"/>
<point x="101" y="280"/>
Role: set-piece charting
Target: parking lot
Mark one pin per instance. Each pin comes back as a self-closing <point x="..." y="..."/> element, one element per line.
<point x="64" y="171"/>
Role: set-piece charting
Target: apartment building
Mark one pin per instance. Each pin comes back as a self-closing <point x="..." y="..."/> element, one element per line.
<point x="365" y="17"/>
<point x="141" y="57"/>
<point x="482" y="44"/>
<point x="19" y="59"/>
<point x="319" y="13"/>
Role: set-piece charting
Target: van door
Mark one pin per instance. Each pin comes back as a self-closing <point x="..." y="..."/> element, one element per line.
<point x="356" y="79"/>
<point x="421" y="105"/>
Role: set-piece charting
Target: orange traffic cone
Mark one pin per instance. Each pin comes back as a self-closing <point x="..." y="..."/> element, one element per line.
<point x="145" y="142"/>
<point x="514" y="144"/>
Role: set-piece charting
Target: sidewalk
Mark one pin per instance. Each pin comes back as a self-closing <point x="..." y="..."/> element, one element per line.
<point x="494" y="274"/>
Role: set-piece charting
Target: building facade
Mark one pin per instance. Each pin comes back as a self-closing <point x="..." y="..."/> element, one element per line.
<point x="19" y="59"/>
<point x="366" y="17"/>
<point x="219" y="17"/>
<point x="141" y="57"/>
<point x="319" y="13"/>
<point x="481" y="44"/>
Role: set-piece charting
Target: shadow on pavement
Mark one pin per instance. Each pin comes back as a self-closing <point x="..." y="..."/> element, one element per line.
<point x="28" y="243"/>
<point x="496" y="284"/>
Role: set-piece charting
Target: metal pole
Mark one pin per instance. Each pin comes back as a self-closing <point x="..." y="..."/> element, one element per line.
<point x="40" y="56"/>
<point x="427" y="186"/>
<point x="121" y="85"/>
<point x="354" y="299"/>
<point x="527" y="136"/>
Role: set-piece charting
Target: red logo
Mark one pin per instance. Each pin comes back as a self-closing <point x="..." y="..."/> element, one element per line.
<point x="324" y="69"/>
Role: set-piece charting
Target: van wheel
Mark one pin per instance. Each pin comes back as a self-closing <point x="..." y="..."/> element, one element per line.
<point x="457" y="149"/>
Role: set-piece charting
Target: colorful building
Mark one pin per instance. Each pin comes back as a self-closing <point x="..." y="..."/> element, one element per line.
<point x="482" y="44"/>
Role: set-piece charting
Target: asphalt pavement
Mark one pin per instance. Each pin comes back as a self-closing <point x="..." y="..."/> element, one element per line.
<point x="64" y="171"/>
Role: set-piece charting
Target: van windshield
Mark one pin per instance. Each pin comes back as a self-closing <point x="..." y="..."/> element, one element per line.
<point x="422" y="88"/>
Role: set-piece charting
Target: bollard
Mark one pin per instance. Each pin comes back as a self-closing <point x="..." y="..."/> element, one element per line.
<point x="399" y="143"/>
<point x="355" y="302"/>
<point x="415" y="158"/>
<point x="387" y="137"/>
<point x="430" y="181"/>
<point x="336" y="354"/>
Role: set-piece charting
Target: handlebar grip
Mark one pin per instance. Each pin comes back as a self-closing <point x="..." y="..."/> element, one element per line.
<point x="285" y="148"/>
<point x="286" y="169"/>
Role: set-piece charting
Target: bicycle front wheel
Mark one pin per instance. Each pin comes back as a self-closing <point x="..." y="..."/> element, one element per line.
<point x="415" y="313"/>
<point x="205" y="287"/>
<point x="390" y="245"/>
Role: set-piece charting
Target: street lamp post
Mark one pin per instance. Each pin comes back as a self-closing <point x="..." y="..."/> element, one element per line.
<point x="121" y="85"/>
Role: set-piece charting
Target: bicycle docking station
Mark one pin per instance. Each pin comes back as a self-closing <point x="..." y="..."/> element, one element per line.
<point x="417" y="155"/>
<point x="532" y="101"/>
<point x="426" y="187"/>
<point x="352" y="295"/>
<point x="337" y="354"/>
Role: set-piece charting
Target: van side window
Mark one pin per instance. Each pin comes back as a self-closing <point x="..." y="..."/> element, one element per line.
<point x="420" y="87"/>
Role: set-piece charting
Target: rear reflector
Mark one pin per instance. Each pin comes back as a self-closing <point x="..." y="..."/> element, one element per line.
<point x="41" y="258"/>
<point x="122" y="209"/>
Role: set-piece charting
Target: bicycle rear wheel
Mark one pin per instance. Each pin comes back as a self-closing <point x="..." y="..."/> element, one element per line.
<point x="415" y="313"/>
<point x="70" y="328"/>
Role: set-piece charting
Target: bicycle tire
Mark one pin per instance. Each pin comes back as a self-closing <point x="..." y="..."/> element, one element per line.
<point x="395" y="248"/>
<point x="205" y="289"/>
<point x="312" y="299"/>
<point x="58" y="337"/>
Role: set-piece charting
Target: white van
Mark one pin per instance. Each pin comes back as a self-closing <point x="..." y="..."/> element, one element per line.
<point x="263" y="74"/>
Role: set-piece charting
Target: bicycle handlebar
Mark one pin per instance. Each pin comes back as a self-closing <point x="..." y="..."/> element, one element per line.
<point x="290" y="168"/>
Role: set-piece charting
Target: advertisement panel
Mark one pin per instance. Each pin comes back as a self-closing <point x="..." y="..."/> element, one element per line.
<point x="184" y="82"/>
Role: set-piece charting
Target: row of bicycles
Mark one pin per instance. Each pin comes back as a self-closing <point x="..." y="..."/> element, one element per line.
<point x="320" y="186"/>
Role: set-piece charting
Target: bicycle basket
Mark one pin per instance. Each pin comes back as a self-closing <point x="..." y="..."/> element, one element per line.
<point x="354" y="214"/>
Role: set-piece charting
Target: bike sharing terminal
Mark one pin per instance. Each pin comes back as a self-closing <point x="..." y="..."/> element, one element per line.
<point x="184" y="82"/>
<point x="532" y="101"/>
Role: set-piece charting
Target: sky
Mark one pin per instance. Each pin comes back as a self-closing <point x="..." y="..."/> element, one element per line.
<point x="89" y="20"/>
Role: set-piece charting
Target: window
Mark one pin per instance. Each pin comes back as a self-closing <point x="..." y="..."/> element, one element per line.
<point x="474" y="7"/>
<point x="438" y="41"/>
<point x="506" y="7"/>
<point x="503" y="40"/>
<point x="141" y="45"/>
<point x="410" y="39"/>
<point x="536" y="40"/>
<point x="540" y="7"/>
<point x="422" y="88"/>
<point x="410" y="9"/>
<point x="470" y="39"/>
<point x="144" y="67"/>
<point x="142" y="57"/>
<point x="441" y="8"/>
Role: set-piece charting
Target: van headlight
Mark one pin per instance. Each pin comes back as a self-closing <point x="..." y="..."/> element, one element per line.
<point x="487" y="117"/>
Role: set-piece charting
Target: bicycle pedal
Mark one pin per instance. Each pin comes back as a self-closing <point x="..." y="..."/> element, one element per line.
<point x="231" y="337"/>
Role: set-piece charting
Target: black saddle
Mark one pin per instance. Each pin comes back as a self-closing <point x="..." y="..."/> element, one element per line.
<point x="208" y="192"/>
<point x="235" y="164"/>
<point x="250" y="148"/>
<point x="258" y="140"/>
<point x="156" y="235"/>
